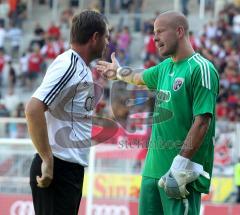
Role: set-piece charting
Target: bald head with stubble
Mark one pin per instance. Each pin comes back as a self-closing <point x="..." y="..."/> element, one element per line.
<point x="170" y="28"/>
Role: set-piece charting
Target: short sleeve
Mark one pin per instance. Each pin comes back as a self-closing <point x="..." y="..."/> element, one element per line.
<point x="150" y="77"/>
<point x="56" y="78"/>
<point x="205" y="86"/>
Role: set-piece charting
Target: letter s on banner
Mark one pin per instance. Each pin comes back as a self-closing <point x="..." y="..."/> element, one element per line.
<point x="22" y="208"/>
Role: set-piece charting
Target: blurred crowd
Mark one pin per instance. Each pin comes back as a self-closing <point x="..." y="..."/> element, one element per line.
<point x="219" y="41"/>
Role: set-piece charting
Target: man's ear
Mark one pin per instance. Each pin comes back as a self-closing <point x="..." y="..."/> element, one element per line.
<point x="95" y="37"/>
<point x="180" y="31"/>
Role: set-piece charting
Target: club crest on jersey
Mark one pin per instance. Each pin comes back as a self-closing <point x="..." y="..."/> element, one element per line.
<point x="178" y="82"/>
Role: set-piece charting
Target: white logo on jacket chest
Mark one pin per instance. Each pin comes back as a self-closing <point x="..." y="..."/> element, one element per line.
<point x="177" y="84"/>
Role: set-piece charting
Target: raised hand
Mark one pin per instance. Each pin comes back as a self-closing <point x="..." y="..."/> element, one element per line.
<point x="109" y="70"/>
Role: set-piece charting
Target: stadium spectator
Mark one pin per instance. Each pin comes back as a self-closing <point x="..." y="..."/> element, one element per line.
<point x="236" y="29"/>
<point x="12" y="7"/>
<point x="53" y="31"/>
<point x="125" y="6"/>
<point x="150" y="48"/>
<point x="222" y="111"/>
<point x="123" y="57"/>
<point x="50" y="50"/>
<point x="17" y="12"/>
<point x="112" y="47"/>
<point x="12" y="79"/>
<point x="15" y="36"/>
<point x="74" y="3"/>
<point x="39" y="36"/>
<point x="66" y="17"/>
<point x="20" y="110"/>
<point x="19" y="130"/>
<point x="194" y="41"/>
<point x="2" y="63"/>
<point x="4" y="11"/>
<point x="66" y="88"/>
<point x="4" y="59"/>
<point x="20" y="14"/>
<point x="2" y="36"/>
<point x="152" y="61"/>
<point x="124" y="39"/>
<point x="138" y="7"/>
<point x="211" y="30"/>
<point x="148" y="24"/>
<point x="4" y="112"/>
<point x="35" y="62"/>
<point x="184" y="4"/>
<point x="23" y="63"/>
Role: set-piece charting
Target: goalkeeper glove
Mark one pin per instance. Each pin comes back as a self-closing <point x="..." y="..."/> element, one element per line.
<point x="182" y="172"/>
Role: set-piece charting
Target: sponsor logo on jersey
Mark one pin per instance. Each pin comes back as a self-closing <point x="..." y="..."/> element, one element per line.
<point x="178" y="82"/>
<point x="163" y="96"/>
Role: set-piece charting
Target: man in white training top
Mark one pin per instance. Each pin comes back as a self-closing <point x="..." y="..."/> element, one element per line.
<point x="59" y="119"/>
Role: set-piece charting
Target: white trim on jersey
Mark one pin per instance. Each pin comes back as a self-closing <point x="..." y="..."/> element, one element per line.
<point x="207" y="76"/>
<point x="62" y="82"/>
<point x="205" y="70"/>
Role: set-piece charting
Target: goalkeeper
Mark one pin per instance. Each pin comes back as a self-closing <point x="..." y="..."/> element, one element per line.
<point x="179" y="161"/>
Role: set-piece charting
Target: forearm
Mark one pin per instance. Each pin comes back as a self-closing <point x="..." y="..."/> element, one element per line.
<point x="37" y="128"/>
<point x="195" y="136"/>
<point x="113" y="71"/>
<point x="131" y="76"/>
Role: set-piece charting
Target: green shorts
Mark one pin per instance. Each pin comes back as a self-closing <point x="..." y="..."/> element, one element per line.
<point x="154" y="201"/>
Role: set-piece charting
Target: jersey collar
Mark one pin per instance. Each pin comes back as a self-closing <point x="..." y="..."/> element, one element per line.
<point x="183" y="60"/>
<point x="79" y="57"/>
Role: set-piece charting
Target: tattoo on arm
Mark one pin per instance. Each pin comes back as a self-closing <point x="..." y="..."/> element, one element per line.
<point x="195" y="135"/>
<point x="127" y="74"/>
<point x="204" y="120"/>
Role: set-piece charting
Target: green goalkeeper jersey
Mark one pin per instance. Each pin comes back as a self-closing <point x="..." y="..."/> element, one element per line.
<point x="184" y="89"/>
